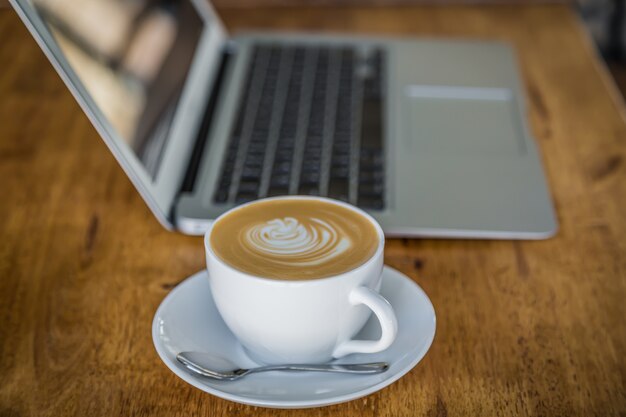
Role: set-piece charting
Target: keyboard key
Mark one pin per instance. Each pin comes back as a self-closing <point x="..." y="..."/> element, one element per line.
<point x="248" y="187"/>
<point x="370" y="203"/>
<point x="245" y="198"/>
<point x="279" y="181"/>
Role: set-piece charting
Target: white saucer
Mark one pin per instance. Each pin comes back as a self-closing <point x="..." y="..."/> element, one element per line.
<point x="187" y="320"/>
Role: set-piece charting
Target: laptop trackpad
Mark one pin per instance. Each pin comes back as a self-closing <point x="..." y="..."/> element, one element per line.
<point x="463" y="121"/>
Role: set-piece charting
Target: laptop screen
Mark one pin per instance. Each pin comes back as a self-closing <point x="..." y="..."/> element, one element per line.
<point x="132" y="57"/>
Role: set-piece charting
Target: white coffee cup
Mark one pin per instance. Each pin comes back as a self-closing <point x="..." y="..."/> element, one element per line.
<point x="302" y="321"/>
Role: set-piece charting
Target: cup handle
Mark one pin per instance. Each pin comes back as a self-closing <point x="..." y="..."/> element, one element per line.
<point x="388" y="323"/>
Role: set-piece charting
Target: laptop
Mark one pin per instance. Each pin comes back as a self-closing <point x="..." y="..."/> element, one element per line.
<point x="428" y="136"/>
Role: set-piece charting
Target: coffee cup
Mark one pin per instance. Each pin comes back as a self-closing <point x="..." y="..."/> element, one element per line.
<point x="295" y="278"/>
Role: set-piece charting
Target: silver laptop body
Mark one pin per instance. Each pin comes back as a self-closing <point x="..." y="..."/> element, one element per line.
<point x="429" y="136"/>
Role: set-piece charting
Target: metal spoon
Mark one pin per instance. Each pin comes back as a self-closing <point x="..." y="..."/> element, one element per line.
<point x="224" y="370"/>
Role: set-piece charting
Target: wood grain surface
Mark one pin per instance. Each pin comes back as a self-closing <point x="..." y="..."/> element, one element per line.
<point x="524" y="328"/>
<point x="383" y="3"/>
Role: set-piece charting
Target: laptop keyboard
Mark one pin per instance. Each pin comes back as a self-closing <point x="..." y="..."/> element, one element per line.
<point x="309" y="122"/>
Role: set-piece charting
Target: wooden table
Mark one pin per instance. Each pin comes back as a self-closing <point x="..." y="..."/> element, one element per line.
<point x="524" y="328"/>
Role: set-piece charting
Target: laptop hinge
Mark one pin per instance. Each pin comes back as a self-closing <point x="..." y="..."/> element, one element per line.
<point x="207" y="120"/>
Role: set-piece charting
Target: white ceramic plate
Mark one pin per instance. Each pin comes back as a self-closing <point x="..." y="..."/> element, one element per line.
<point x="187" y="320"/>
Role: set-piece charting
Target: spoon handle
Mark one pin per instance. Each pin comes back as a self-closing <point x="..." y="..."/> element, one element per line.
<point x="360" y="368"/>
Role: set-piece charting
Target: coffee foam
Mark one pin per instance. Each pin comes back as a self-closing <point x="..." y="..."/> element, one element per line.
<point x="294" y="239"/>
<point x="296" y="242"/>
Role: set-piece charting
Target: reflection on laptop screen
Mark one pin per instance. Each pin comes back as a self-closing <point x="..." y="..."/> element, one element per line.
<point x="132" y="56"/>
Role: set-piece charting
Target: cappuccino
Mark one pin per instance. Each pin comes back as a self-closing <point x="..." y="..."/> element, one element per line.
<point x="294" y="239"/>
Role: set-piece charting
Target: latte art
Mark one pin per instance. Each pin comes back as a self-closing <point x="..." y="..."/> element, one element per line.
<point x="310" y="243"/>
<point x="294" y="238"/>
